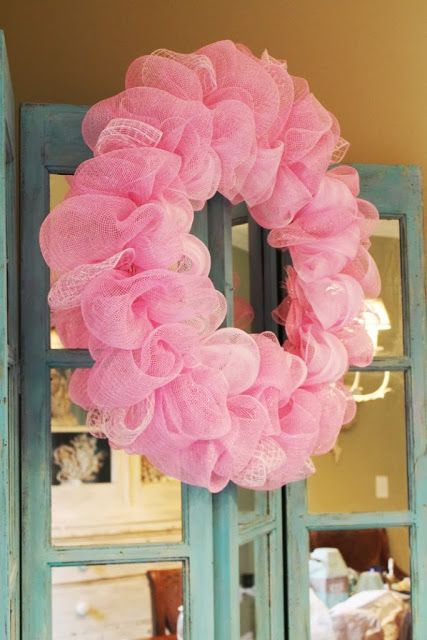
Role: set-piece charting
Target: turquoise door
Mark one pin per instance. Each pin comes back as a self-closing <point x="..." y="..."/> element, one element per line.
<point x="89" y="543"/>
<point x="372" y="489"/>
<point x="9" y="364"/>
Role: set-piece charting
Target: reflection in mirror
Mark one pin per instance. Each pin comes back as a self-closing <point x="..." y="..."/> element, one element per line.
<point x="242" y="310"/>
<point x="360" y="584"/>
<point x="58" y="189"/>
<point x="102" y="495"/>
<point x="387" y="309"/>
<point x="366" y="470"/>
<point x="117" y="601"/>
<point x="247" y="592"/>
<point x="245" y="500"/>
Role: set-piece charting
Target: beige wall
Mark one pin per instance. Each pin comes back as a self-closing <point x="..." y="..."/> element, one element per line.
<point x="364" y="58"/>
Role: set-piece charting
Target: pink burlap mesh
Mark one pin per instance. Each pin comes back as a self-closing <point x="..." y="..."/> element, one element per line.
<point x="131" y="283"/>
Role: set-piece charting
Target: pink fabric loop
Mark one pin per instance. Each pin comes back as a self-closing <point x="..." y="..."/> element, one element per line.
<point x="165" y="73"/>
<point x="235" y="354"/>
<point x="139" y="372"/>
<point x="120" y="133"/>
<point x="122" y="427"/>
<point x="114" y="223"/>
<point x="333" y="402"/>
<point x="324" y="354"/>
<point x="121" y="310"/>
<point x="67" y="291"/>
<point x="140" y="174"/>
<point x="130" y="283"/>
<point x="364" y="269"/>
<point x="178" y="126"/>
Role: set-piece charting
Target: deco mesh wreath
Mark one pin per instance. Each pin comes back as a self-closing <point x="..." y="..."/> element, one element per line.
<point x="209" y="405"/>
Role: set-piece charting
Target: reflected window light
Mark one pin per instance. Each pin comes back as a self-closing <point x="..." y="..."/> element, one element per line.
<point x="376" y="319"/>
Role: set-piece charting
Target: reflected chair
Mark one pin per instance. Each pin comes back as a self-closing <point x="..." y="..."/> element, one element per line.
<point x="361" y="549"/>
<point x="166" y="597"/>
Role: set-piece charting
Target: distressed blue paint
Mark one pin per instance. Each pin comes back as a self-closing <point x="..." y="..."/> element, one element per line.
<point x="51" y="141"/>
<point x="225" y="523"/>
<point x="396" y="191"/>
<point x="9" y="365"/>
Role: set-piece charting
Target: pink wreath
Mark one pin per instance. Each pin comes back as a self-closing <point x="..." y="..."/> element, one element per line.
<point x="206" y="404"/>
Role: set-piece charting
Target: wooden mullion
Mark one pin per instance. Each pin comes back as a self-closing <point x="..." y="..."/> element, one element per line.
<point x="256" y="529"/>
<point x="199" y="617"/>
<point x="402" y="363"/>
<point x="415" y="321"/>
<point x="297" y="557"/>
<point x="366" y="520"/>
<point x="68" y="359"/>
<point x="262" y="572"/>
<point x="104" y="554"/>
<point x="35" y="450"/>
<point x="9" y="364"/>
<point x="277" y="601"/>
<point x="225" y="517"/>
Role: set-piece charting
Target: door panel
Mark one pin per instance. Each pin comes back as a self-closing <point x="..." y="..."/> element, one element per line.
<point x="212" y="529"/>
<point x="375" y="477"/>
<point x="9" y="363"/>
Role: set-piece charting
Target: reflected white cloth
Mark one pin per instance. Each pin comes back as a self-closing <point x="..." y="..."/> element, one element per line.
<point x="321" y="627"/>
<point x="366" y="615"/>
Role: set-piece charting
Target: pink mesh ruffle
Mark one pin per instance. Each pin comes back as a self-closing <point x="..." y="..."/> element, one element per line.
<point x="210" y="405"/>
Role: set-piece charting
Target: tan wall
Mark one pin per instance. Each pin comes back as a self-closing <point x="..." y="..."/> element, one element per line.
<point x="364" y="58"/>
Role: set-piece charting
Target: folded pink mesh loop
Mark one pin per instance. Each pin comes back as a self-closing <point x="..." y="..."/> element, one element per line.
<point x="137" y="373"/>
<point x="67" y="291"/>
<point x="130" y="283"/>
<point x="364" y="269"/>
<point x="324" y="354"/>
<point x="235" y="354"/>
<point x="240" y="76"/>
<point x="140" y="174"/>
<point x="113" y="223"/>
<point x="200" y="64"/>
<point x="121" y="310"/>
<point x="121" y="133"/>
<point x="234" y="141"/>
<point x="179" y="126"/>
<point x="195" y="258"/>
<point x="333" y="405"/>
<point x="122" y="427"/>
<point x="333" y="302"/>
<point x="278" y="369"/>
<point x="165" y="73"/>
<point x="369" y="217"/>
<point x="348" y="175"/>
<point x="267" y="458"/>
<point x="358" y="343"/>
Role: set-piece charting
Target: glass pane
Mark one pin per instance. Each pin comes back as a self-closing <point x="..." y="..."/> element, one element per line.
<point x="243" y="312"/>
<point x="117" y="602"/>
<point x="245" y="500"/>
<point x="58" y="188"/>
<point x="366" y="470"/>
<point x="102" y="495"/>
<point x="388" y="324"/>
<point x="247" y="592"/>
<point x="359" y="584"/>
